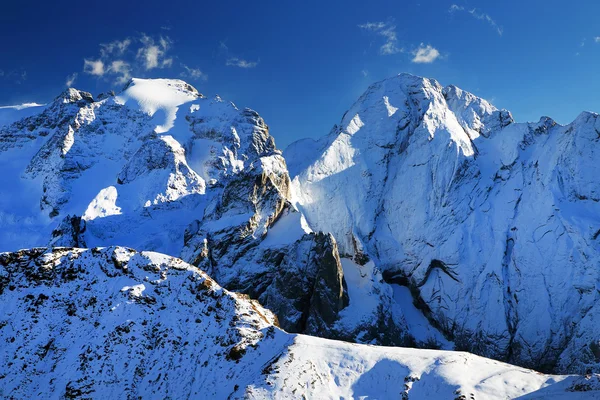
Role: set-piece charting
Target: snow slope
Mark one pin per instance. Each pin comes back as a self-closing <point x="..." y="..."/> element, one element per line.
<point x="115" y="323"/>
<point x="492" y="225"/>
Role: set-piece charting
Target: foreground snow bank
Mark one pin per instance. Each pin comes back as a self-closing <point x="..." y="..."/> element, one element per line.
<point x="114" y="323"/>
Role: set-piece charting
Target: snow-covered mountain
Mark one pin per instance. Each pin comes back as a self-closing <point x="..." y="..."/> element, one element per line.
<point x="159" y="167"/>
<point x="428" y="219"/>
<point x="492" y="225"/>
<point x="115" y="323"/>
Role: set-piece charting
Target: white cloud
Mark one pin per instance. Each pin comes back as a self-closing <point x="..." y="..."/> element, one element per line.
<point x="116" y="47"/>
<point x="71" y="79"/>
<point x="93" y="67"/>
<point x="154" y="55"/>
<point x="364" y="72"/>
<point x="238" y="62"/>
<point x="425" y="54"/>
<point x="119" y="60"/>
<point x="122" y="69"/>
<point x="193" y="73"/>
<point x="478" y="15"/>
<point x="597" y="39"/>
<point x="388" y="32"/>
<point x="373" y="26"/>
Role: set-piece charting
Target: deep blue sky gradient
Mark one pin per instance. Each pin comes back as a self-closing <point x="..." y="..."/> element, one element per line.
<point x="312" y="56"/>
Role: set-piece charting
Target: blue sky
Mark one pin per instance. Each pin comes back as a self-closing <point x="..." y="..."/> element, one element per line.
<point x="302" y="64"/>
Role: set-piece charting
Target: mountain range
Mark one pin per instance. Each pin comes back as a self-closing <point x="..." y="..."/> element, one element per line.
<point x="427" y="219"/>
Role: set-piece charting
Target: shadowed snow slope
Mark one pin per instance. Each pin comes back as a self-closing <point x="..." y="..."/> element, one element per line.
<point x="114" y="323"/>
<point x="493" y="225"/>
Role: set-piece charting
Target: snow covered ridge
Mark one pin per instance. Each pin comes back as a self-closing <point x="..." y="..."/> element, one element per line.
<point x="492" y="225"/>
<point x="115" y="323"/>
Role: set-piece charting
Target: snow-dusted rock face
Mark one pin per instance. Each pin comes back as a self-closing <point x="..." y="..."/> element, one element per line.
<point x="160" y="167"/>
<point x="493" y="225"/>
<point x="115" y="323"/>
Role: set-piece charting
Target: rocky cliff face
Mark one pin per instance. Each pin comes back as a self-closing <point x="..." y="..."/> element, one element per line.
<point x="491" y="224"/>
<point x="160" y="167"/>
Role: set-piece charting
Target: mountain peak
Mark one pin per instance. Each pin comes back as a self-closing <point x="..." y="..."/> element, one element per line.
<point x="72" y="95"/>
<point x="173" y="84"/>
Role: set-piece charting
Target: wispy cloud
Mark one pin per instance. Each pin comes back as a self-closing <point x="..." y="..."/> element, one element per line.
<point x="597" y="39"/>
<point x="364" y="73"/>
<point x="117" y="47"/>
<point x="388" y="32"/>
<point x="71" y="79"/>
<point x="194" y="73"/>
<point x="233" y="60"/>
<point x="223" y="48"/>
<point x="241" y="63"/>
<point x="122" y="69"/>
<point x="153" y="54"/>
<point x="475" y="13"/>
<point x="93" y="67"/>
<point x="425" y="54"/>
<point x="119" y="59"/>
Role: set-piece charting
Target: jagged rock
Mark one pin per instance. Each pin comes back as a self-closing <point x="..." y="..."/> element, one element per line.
<point x="70" y="233"/>
<point x="329" y="294"/>
<point x="162" y="162"/>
